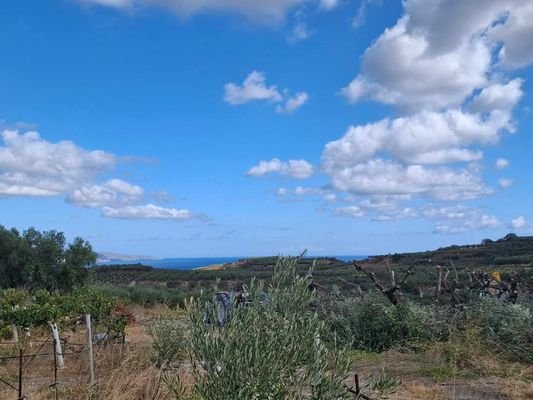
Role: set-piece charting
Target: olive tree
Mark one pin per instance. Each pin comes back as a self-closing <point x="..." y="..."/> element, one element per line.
<point x="37" y="260"/>
<point x="269" y="348"/>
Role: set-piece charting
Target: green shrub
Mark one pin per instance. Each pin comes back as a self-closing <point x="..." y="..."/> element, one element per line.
<point x="269" y="349"/>
<point x="169" y="341"/>
<point x="507" y="328"/>
<point x="372" y="324"/>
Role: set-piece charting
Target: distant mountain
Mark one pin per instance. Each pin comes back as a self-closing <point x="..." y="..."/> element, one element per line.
<point x="106" y="256"/>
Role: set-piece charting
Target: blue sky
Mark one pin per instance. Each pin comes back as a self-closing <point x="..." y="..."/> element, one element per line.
<point x="253" y="127"/>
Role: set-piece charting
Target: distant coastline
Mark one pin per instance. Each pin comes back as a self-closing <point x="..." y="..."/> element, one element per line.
<point x="198" y="262"/>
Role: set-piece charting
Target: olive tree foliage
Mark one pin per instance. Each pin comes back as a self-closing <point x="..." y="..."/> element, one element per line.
<point x="36" y="260"/>
<point x="169" y="341"/>
<point x="270" y="348"/>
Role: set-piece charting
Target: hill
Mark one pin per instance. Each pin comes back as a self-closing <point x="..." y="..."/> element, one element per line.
<point x="512" y="256"/>
<point x="509" y="250"/>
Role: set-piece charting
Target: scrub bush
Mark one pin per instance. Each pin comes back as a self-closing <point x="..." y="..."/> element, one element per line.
<point x="270" y="348"/>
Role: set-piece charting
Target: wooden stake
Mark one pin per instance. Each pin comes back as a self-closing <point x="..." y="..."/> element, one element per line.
<point x="21" y="357"/>
<point x="57" y="346"/>
<point x="15" y="333"/>
<point x="90" y="359"/>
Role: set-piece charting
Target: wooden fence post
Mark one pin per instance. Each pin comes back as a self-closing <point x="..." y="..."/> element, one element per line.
<point x="57" y="345"/>
<point x="90" y="359"/>
<point x="21" y="363"/>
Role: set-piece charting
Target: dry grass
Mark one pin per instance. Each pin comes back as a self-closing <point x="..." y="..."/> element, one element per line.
<point x="127" y="373"/>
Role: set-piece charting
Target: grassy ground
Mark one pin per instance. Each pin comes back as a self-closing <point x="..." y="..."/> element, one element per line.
<point x="450" y="370"/>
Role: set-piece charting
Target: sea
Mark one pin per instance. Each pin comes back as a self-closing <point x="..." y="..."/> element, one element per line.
<point x="198" y="262"/>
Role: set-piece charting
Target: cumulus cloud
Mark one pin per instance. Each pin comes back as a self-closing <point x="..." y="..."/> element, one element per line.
<point x="349" y="211"/>
<point x="260" y="11"/>
<point x="519" y="223"/>
<point x="384" y="177"/>
<point x="483" y="222"/>
<point x="448" y="219"/>
<point x="32" y="166"/>
<point x="424" y="62"/>
<point x="501" y="163"/>
<point x="425" y="138"/>
<point x="498" y="96"/>
<point x="253" y="88"/>
<point x="516" y="34"/>
<point x="397" y="214"/>
<point x="460" y="219"/>
<point x="112" y="192"/>
<point x="397" y="70"/>
<point x="293" y="168"/>
<point x="293" y="103"/>
<point x="453" y="98"/>
<point x="148" y="211"/>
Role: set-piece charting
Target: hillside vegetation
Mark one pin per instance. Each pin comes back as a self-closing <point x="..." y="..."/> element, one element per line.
<point x="430" y="325"/>
<point x="512" y="256"/>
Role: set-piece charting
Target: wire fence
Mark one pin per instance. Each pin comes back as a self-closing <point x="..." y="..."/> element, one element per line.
<point x="30" y="368"/>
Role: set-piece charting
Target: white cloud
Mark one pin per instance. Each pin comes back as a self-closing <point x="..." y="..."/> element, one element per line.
<point x="388" y="207"/>
<point x="260" y="11"/>
<point x="425" y="138"/>
<point x="148" y="211"/>
<point x="293" y="103"/>
<point x="484" y="222"/>
<point x="384" y="177"/>
<point x="360" y="18"/>
<point x="349" y="211"/>
<point x="501" y="163"/>
<point x="120" y="4"/>
<point x="253" y="88"/>
<point x="329" y="4"/>
<point x="294" y="168"/>
<point x="397" y="70"/>
<point x="425" y="62"/>
<point x="498" y="97"/>
<point x="300" y="30"/>
<point x="32" y="166"/>
<point x="112" y="192"/>
<point x="397" y="214"/>
<point x="519" y="223"/>
<point x="282" y="192"/>
<point x="453" y="97"/>
<point x="505" y="183"/>
<point x="304" y="191"/>
<point x="460" y="219"/>
<point x="516" y="34"/>
<point x="330" y="197"/>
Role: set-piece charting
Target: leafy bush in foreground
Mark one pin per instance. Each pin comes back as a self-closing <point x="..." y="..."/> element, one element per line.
<point x="169" y="341"/>
<point x="371" y="324"/>
<point x="267" y="350"/>
<point x="508" y="328"/>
